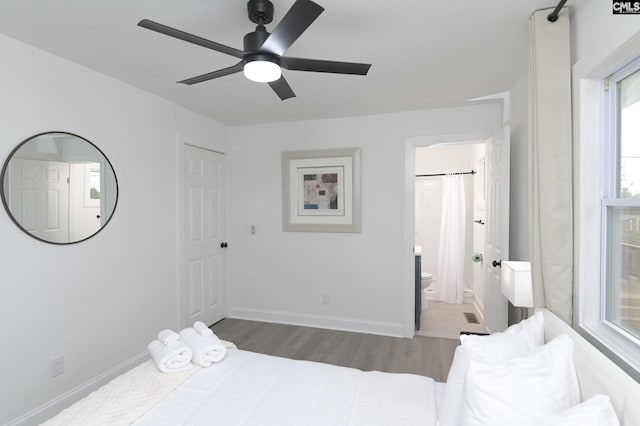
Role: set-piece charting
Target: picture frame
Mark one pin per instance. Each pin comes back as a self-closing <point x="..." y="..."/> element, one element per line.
<point x="321" y="190"/>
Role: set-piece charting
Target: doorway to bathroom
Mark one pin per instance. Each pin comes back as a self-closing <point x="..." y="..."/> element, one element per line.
<point x="450" y="214"/>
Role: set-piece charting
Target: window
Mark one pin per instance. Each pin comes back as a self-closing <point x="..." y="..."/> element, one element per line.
<point x="607" y="118"/>
<point x="621" y="203"/>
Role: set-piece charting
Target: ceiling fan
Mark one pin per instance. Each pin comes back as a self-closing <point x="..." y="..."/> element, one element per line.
<point x="262" y="60"/>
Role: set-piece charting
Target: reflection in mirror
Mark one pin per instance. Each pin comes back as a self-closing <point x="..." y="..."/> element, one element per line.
<point x="59" y="187"/>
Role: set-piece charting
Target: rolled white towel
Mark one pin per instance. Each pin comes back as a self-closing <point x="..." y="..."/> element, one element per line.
<point x="170" y="359"/>
<point x="206" y="349"/>
<point x="185" y="333"/>
<point x="202" y="329"/>
<point x="168" y="337"/>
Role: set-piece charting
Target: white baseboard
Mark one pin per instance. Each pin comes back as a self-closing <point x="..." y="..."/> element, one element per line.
<point x="54" y="406"/>
<point x="319" y="321"/>
<point x="479" y="306"/>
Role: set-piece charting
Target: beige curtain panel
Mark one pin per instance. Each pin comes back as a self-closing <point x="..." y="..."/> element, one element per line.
<point x="551" y="167"/>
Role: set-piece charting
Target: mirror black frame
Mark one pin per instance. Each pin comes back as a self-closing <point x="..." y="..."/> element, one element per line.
<point x="6" y="203"/>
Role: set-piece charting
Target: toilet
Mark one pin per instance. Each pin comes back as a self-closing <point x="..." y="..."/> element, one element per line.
<point x="428" y="291"/>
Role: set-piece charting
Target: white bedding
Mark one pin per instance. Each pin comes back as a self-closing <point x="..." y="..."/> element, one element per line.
<point x="247" y="388"/>
<point x="254" y="389"/>
<point x="124" y="399"/>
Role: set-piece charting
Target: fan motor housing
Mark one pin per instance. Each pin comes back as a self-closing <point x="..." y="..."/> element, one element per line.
<point x="260" y="11"/>
<point x="252" y="41"/>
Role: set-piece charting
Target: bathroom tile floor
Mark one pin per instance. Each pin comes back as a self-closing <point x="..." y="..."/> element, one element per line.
<point x="446" y="320"/>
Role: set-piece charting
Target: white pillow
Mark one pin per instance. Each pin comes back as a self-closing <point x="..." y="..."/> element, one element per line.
<point x="596" y="411"/>
<point x="531" y="329"/>
<point x="523" y="390"/>
<point x="517" y="340"/>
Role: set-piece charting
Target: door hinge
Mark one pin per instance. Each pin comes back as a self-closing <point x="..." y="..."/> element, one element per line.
<point x="606" y="84"/>
<point x="68" y="180"/>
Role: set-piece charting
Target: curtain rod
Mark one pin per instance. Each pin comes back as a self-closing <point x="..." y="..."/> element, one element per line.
<point x="553" y="16"/>
<point x="472" y="172"/>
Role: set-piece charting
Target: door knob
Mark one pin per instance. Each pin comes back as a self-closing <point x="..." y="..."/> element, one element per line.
<point x="497" y="263"/>
<point x="224" y="245"/>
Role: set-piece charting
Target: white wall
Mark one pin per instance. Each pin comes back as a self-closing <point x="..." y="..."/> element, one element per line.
<point x="98" y="302"/>
<point x="596" y="32"/>
<point x="446" y="158"/>
<point x="280" y="276"/>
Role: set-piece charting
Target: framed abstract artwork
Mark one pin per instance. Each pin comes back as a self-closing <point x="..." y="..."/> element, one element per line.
<point x="321" y="190"/>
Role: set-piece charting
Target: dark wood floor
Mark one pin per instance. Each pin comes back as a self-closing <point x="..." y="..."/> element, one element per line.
<point x="428" y="356"/>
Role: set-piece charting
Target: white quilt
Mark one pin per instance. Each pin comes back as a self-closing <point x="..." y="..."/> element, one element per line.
<point x="254" y="389"/>
<point x="124" y="399"/>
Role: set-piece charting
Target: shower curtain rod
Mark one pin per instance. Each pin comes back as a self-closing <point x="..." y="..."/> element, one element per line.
<point x="553" y="16"/>
<point x="472" y="172"/>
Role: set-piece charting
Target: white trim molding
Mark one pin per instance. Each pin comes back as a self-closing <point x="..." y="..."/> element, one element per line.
<point x="319" y="321"/>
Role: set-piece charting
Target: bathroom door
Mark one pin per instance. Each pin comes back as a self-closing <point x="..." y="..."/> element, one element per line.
<point x="205" y="286"/>
<point x="497" y="227"/>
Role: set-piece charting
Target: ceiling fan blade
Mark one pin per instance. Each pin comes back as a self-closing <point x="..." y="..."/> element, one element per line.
<point x="181" y="35"/>
<point x="215" y="74"/>
<point x="282" y="88"/>
<point x="294" y="23"/>
<point x="317" y="65"/>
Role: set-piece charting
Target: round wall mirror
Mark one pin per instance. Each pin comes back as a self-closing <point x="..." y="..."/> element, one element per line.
<point x="59" y="188"/>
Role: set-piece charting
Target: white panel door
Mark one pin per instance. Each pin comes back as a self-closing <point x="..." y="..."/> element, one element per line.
<point x="84" y="209"/>
<point x="205" y="295"/>
<point x="39" y="198"/>
<point x="497" y="227"/>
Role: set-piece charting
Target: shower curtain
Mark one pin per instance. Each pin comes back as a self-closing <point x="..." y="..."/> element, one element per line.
<point x="450" y="286"/>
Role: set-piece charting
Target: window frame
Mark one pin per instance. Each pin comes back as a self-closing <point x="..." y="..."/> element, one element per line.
<point x="597" y="158"/>
<point x="612" y="181"/>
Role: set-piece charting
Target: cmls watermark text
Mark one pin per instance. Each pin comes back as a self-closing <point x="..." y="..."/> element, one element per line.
<point x="626" y="7"/>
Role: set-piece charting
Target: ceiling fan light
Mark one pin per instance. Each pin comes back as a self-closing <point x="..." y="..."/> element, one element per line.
<point x="262" y="71"/>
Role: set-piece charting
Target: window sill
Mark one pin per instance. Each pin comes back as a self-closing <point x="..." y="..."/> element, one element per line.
<point x="622" y="348"/>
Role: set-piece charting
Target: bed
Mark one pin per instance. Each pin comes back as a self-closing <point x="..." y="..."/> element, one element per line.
<point x="247" y="388"/>
<point x="598" y="374"/>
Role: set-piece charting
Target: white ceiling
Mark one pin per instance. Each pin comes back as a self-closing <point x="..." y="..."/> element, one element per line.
<point x="424" y="53"/>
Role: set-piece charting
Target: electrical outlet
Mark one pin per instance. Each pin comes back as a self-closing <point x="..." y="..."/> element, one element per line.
<point x="57" y="366"/>
<point x="325" y="298"/>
